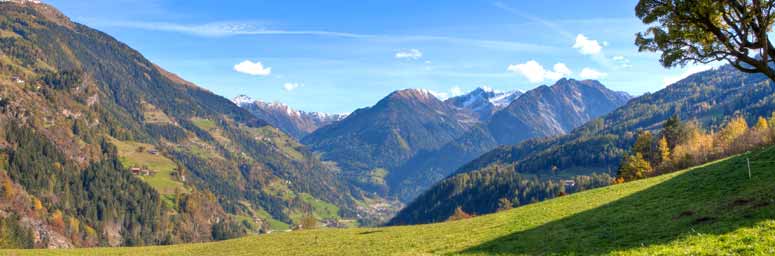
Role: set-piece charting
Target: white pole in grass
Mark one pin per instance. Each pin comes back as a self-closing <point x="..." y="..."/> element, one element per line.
<point x="748" y="160"/>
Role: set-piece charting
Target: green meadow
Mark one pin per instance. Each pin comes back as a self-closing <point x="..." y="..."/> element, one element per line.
<point x="714" y="209"/>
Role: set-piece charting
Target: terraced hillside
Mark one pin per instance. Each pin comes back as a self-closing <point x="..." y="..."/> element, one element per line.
<point x="715" y="209"/>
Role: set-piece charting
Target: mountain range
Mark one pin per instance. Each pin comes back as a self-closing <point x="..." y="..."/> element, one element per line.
<point x="410" y="139"/>
<point x="709" y="98"/>
<point x="543" y="111"/>
<point x="293" y="122"/>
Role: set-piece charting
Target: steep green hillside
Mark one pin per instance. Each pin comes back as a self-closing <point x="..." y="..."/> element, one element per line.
<point x="78" y="110"/>
<point x="713" y="209"/>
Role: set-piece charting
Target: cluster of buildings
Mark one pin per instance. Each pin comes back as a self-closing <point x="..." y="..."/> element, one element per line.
<point x="142" y="171"/>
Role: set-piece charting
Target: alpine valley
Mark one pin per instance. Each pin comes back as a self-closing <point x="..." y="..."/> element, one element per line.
<point x="410" y="139"/>
<point x="104" y="152"/>
<point x="99" y="146"/>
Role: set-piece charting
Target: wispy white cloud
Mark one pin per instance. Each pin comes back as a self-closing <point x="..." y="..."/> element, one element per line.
<point x="534" y="72"/>
<point x="621" y="61"/>
<point x="588" y="73"/>
<point x="291" y="86"/>
<point x="438" y="95"/>
<point x="413" y="54"/>
<point x="587" y="46"/>
<point x="224" y="29"/>
<point x="551" y="25"/>
<point x="252" y="68"/>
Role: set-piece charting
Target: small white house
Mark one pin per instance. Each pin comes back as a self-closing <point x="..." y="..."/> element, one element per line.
<point x="17" y="79"/>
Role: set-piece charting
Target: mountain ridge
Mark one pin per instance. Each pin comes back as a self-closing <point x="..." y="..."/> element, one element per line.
<point x="293" y="122"/>
<point x="135" y="155"/>
<point x="543" y="111"/>
<point x="484" y="101"/>
<point x="709" y="98"/>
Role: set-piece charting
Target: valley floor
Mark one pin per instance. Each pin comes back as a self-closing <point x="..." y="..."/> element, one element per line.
<point x="713" y="209"/>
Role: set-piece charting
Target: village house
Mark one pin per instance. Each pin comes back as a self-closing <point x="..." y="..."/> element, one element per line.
<point x="142" y="171"/>
<point x="17" y="80"/>
<point x="569" y="184"/>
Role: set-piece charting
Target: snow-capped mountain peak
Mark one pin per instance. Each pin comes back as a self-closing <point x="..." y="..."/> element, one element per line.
<point x="242" y="99"/>
<point x="484" y="101"/>
<point x="294" y="122"/>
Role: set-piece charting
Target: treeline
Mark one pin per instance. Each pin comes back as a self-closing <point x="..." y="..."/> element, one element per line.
<point x="471" y="194"/>
<point x="680" y="145"/>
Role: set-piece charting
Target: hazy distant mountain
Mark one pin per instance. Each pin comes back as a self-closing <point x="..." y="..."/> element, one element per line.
<point x="372" y="141"/>
<point x="544" y="111"/>
<point x="293" y="122"/>
<point x="484" y="102"/>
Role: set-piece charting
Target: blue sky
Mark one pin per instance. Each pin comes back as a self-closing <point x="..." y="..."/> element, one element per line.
<point x="336" y="56"/>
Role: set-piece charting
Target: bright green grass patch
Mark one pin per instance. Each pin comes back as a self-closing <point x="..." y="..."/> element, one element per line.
<point x="285" y="143"/>
<point x="163" y="180"/>
<point x="710" y="210"/>
<point x="320" y="209"/>
<point x="151" y="114"/>
<point x="273" y="223"/>
<point x="204" y="124"/>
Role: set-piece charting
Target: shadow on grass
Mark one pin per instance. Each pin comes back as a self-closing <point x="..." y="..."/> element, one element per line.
<point x="715" y="199"/>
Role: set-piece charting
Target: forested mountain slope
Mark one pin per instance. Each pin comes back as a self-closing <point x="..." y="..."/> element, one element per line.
<point x="544" y="111"/>
<point x="710" y="98"/>
<point x="372" y="141"/>
<point x="714" y="209"/>
<point x="99" y="146"/>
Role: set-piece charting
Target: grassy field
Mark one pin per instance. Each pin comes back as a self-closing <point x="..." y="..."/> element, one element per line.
<point x="709" y="210"/>
<point x="163" y="181"/>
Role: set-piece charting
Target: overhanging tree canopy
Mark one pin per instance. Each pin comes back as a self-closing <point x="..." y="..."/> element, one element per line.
<point x="704" y="31"/>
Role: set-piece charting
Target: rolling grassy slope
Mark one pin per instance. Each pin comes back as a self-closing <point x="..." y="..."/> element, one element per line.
<point x="708" y="210"/>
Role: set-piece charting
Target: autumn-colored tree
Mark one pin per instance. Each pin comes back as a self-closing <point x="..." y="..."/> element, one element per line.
<point x="308" y="222"/>
<point x="8" y="189"/>
<point x="37" y="205"/>
<point x="459" y="215"/>
<point x="58" y="220"/>
<point x="732" y="131"/>
<point x="504" y="204"/>
<point x="643" y="145"/>
<point x="664" y="150"/>
<point x="762" y="124"/>
<point x="635" y="167"/>
<point x="771" y="120"/>
<point x="698" y="147"/>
